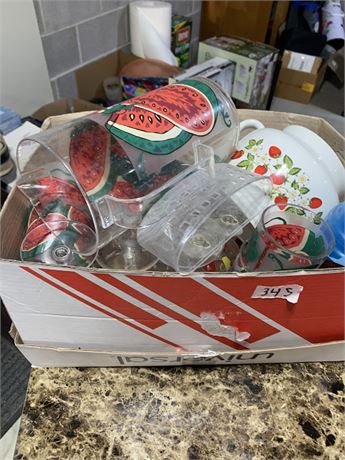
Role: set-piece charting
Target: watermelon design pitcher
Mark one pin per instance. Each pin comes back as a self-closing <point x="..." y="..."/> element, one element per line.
<point x="114" y="164"/>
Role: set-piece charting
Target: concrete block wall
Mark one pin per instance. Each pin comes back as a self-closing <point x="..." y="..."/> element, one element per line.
<point x="77" y="32"/>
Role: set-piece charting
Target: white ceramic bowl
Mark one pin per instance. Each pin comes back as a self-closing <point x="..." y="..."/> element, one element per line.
<point x="303" y="167"/>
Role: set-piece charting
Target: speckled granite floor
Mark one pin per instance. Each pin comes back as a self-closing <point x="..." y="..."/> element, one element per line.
<point x="257" y="412"/>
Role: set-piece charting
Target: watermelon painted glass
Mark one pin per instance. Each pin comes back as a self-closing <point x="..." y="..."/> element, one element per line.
<point x="122" y="159"/>
<point x="57" y="240"/>
<point x="286" y="240"/>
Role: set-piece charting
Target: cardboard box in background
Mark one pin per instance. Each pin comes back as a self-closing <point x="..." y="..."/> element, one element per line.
<point x="337" y="64"/>
<point x="75" y="316"/>
<point x="90" y="77"/>
<point x="255" y="64"/>
<point x="181" y="36"/>
<point x="217" y="69"/>
<point x="62" y="106"/>
<point x="300" y="76"/>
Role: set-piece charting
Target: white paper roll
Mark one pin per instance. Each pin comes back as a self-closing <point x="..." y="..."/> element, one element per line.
<point x="150" y="25"/>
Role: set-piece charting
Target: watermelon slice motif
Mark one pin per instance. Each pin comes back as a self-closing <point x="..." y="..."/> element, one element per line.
<point x="163" y="120"/>
<point x="40" y="236"/>
<point x="51" y="188"/>
<point x="304" y="243"/>
<point x="91" y="159"/>
<point x="299" y="240"/>
<point x="46" y="224"/>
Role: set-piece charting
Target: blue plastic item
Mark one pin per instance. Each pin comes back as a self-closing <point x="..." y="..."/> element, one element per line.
<point x="336" y="219"/>
<point x="9" y="120"/>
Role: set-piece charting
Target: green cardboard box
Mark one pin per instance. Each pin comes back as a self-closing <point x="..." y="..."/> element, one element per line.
<point x="181" y="35"/>
<point x="255" y="64"/>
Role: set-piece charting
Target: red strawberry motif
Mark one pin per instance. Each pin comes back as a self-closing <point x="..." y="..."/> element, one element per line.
<point x="278" y="179"/>
<point x="281" y="201"/>
<point x="315" y="202"/>
<point x="274" y="152"/>
<point x="261" y="169"/>
<point x="237" y="154"/>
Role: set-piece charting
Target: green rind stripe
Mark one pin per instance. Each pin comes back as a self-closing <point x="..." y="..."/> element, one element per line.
<point x="153" y="147"/>
<point x="314" y="246"/>
<point x="37" y="250"/>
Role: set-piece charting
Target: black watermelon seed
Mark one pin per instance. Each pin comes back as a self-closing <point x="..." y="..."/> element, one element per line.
<point x="141" y="118"/>
<point x="158" y="117"/>
<point x="150" y="120"/>
<point x="177" y="115"/>
<point x="165" y="110"/>
<point x="131" y="116"/>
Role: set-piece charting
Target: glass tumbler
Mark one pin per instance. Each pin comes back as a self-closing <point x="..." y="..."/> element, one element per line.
<point x="286" y="239"/>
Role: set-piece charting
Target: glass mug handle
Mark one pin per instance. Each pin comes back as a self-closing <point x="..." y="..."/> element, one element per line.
<point x="251" y="123"/>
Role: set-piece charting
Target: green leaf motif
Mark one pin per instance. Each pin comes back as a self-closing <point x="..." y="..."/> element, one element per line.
<point x="294" y="171"/>
<point x="277" y="167"/>
<point x="300" y="212"/>
<point x="291" y="209"/>
<point x="250" y="157"/>
<point x="287" y="160"/>
<point x="297" y="211"/>
<point x="260" y="141"/>
<point x="243" y="164"/>
<point x="252" y="142"/>
<point x="294" y="185"/>
<point x="317" y="218"/>
<point x="304" y="190"/>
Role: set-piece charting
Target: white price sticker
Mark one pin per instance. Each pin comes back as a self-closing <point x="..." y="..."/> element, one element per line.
<point x="301" y="62"/>
<point x="289" y="292"/>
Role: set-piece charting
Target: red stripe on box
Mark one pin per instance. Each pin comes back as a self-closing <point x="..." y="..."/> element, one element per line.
<point x="107" y="298"/>
<point x="197" y="299"/>
<point x="113" y="281"/>
<point x="318" y="316"/>
<point x="96" y="307"/>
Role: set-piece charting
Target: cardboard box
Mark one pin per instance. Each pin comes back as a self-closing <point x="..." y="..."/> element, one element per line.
<point x="336" y="64"/>
<point x="218" y="69"/>
<point x="181" y="36"/>
<point x="300" y="76"/>
<point x="62" y="106"/>
<point x="255" y="64"/>
<point x="90" y="77"/>
<point x="44" y="356"/>
<point x="150" y="318"/>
